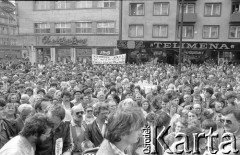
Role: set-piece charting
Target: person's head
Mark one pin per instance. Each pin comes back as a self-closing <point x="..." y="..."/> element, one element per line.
<point x="56" y="113"/>
<point x="101" y="96"/>
<point x="187" y="90"/>
<point x="58" y="94"/>
<point x="2" y="107"/>
<point x="38" y="127"/>
<point x="29" y="91"/>
<point x="192" y="115"/>
<point x="89" y="110"/>
<point x="125" y="126"/>
<point x="138" y="98"/>
<point x="86" y="99"/>
<point x="113" y="90"/>
<point x="25" y="110"/>
<point x="101" y="111"/>
<point x="231" y="119"/>
<point x="127" y="103"/>
<point x="197" y="99"/>
<point x="24" y="99"/>
<point x="13" y="98"/>
<point x="41" y="92"/>
<point x="180" y="125"/>
<point x="10" y="109"/>
<point x="51" y="91"/>
<point x="112" y="106"/>
<point x="197" y="108"/>
<point x="78" y="95"/>
<point x="218" y="106"/>
<point x="146" y="106"/>
<point x="230" y="96"/>
<point x="197" y="90"/>
<point x="77" y="112"/>
<point x="66" y="96"/>
<point x="187" y="98"/>
<point x="208" y="92"/>
<point x="209" y="124"/>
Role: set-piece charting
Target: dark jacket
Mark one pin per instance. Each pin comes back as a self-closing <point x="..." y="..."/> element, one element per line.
<point x="47" y="147"/>
<point x="93" y="134"/>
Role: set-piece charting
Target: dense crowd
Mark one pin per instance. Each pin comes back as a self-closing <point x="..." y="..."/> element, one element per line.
<point x="73" y="108"/>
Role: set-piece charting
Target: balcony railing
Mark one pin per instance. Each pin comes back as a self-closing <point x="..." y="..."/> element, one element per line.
<point x="188" y="17"/>
<point x="235" y="17"/>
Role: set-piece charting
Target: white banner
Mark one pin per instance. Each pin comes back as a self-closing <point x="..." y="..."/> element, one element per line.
<point x="102" y="59"/>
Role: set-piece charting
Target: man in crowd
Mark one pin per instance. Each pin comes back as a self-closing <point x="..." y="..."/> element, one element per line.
<point x="36" y="128"/>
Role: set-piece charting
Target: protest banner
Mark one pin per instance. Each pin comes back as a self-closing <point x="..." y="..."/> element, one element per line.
<point x="102" y="59"/>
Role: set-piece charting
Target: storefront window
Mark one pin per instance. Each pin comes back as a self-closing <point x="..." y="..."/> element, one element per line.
<point x="43" y="55"/>
<point x="63" y="55"/>
<point x="83" y="55"/>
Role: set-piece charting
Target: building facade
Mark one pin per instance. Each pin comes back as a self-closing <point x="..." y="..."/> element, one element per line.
<point x="64" y="31"/>
<point x="9" y="48"/>
<point x="151" y="30"/>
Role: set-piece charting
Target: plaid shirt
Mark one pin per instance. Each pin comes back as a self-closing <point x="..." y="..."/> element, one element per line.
<point x="116" y="150"/>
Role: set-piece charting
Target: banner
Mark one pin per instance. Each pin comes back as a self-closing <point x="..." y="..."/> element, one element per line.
<point x="101" y="59"/>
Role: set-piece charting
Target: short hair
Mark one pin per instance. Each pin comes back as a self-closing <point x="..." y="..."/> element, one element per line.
<point x="57" y="110"/>
<point x="231" y="110"/>
<point x="123" y="122"/>
<point x="29" y="89"/>
<point x="66" y="93"/>
<point x="209" y="123"/>
<point x="53" y="85"/>
<point x="181" y="120"/>
<point x="24" y="108"/>
<point x="41" y="90"/>
<point x="78" y="91"/>
<point x="99" y="107"/>
<point x="162" y="119"/>
<point x="209" y="90"/>
<point x="37" y="124"/>
<point x="189" y="133"/>
<point x="127" y="103"/>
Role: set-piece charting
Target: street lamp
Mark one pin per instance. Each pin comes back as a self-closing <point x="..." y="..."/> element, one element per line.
<point x="180" y="42"/>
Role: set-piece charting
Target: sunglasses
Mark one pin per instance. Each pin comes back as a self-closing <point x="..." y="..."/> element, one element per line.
<point x="80" y="112"/>
<point x="227" y="121"/>
<point x="89" y="111"/>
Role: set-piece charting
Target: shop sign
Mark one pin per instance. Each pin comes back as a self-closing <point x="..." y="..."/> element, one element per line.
<point x="106" y="52"/>
<point x="185" y="45"/>
<point x="101" y="59"/>
<point x="64" y="41"/>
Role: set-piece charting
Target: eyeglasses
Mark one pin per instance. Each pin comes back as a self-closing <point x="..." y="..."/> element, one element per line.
<point x="80" y="112"/>
<point x="89" y="111"/>
<point x="227" y="121"/>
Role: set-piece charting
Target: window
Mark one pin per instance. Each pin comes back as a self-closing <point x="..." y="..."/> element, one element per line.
<point x="63" y="28"/>
<point x="212" y="9"/>
<point x="12" y="31"/>
<point x="42" y="28"/>
<point x="160" y="30"/>
<point x="187" y="32"/>
<point x="83" y="4"/>
<point x="106" y="4"/>
<point x="13" y="42"/>
<point x="234" y="32"/>
<point x="136" y="9"/>
<point x="62" y="4"/>
<point x="210" y="31"/>
<point x="84" y="27"/>
<point x="236" y="7"/>
<point x="136" y="31"/>
<point x="42" y="5"/>
<point x="160" y="9"/>
<point x="106" y="27"/>
<point x="3" y="30"/>
<point x="188" y="8"/>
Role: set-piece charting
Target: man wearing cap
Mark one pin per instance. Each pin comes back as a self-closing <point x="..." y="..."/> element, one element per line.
<point x="77" y="128"/>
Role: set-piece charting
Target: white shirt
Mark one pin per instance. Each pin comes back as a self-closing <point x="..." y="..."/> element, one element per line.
<point x="18" y="145"/>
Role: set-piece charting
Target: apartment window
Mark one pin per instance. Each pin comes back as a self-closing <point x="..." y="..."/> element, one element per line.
<point x="234" y="32"/>
<point x="63" y="28"/>
<point x="84" y="27"/>
<point x="188" y="31"/>
<point x="160" y="31"/>
<point x="136" y="9"/>
<point x="12" y="31"/>
<point x="42" y="5"/>
<point x="42" y="27"/>
<point x="106" y="4"/>
<point x="212" y="9"/>
<point x="236" y="7"/>
<point x="62" y="4"/>
<point x="188" y="8"/>
<point x="3" y="30"/>
<point x="106" y="27"/>
<point x="13" y="42"/>
<point x="83" y="4"/>
<point x="210" y="31"/>
<point x="161" y="9"/>
<point x="136" y="31"/>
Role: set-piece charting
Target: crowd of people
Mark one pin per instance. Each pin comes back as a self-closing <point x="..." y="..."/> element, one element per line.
<point x="65" y="109"/>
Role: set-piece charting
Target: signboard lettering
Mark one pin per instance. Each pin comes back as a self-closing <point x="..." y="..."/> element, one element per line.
<point x="102" y="59"/>
<point x="64" y="41"/>
<point x="107" y="52"/>
<point x="185" y="45"/>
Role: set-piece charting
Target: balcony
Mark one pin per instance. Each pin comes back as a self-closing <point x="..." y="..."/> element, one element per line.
<point x="235" y="18"/>
<point x="188" y="17"/>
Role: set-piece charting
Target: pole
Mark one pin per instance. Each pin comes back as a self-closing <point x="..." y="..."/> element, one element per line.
<point x="9" y="39"/>
<point x="180" y="43"/>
